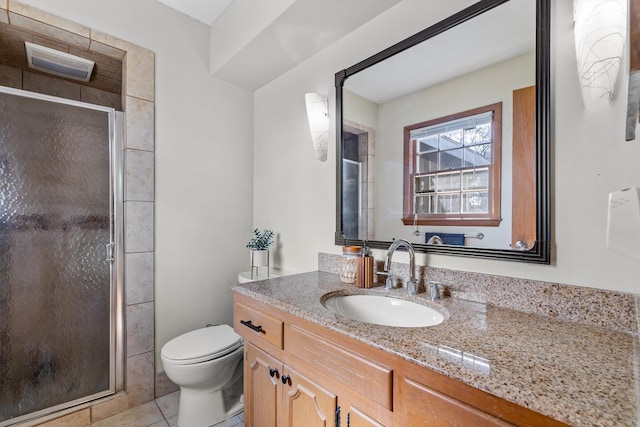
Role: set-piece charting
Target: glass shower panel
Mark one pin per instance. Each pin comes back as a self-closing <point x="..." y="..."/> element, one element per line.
<point x="351" y="199"/>
<point x="55" y="285"/>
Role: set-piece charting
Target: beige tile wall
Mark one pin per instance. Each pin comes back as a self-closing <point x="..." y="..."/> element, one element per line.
<point x="10" y="77"/>
<point x="34" y="82"/>
<point x="107" y="72"/>
<point x="4" y="15"/>
<point x="138" y="93"/>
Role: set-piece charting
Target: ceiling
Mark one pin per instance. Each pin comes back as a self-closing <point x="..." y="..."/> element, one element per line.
<point x="253" y="42"/>
<point x="503" y="33"/>
<point x="205" y="11"/>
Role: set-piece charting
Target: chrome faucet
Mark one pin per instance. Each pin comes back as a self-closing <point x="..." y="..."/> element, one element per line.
<point x="412" y="284"/>
<point x="437" y="289"/>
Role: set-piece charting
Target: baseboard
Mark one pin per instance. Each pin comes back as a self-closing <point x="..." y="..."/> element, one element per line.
<point x="164" y="385"/>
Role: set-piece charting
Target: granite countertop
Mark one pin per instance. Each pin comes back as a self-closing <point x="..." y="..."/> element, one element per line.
<point x="578" y="374"/>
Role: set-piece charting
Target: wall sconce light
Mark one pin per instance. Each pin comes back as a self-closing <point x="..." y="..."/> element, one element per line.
<point x="600" y="30"/>
<point x="318" y="116"/>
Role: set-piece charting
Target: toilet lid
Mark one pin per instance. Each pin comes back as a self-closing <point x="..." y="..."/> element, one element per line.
<point x="201" y="345"/>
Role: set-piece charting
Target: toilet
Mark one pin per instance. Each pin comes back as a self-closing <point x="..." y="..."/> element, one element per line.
<point x="207" y="365"/>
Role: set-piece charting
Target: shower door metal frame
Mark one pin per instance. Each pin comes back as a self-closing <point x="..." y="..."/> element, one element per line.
<point x="116" y="253"/>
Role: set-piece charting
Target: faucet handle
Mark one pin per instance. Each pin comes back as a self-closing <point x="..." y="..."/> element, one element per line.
<point x="436" y="289"/>
<point x="412" y="287"/>
<point x="388" y="284"/>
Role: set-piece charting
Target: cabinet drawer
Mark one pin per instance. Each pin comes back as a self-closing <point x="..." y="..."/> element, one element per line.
<point x="424" y="406"/>
<point x="250" y="322"/>
<point x="352" y="370"/>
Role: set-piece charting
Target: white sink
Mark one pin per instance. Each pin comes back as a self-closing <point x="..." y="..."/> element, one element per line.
<point x="383" y="310"/>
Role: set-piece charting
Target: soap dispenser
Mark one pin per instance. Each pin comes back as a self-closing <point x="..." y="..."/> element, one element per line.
<point x="364" y="276"/>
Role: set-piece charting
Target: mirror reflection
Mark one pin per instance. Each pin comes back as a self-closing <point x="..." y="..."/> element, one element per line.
<point x="439" y="141"/>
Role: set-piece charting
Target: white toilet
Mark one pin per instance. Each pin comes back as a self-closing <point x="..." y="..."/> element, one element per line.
<point x="207" y="365"/>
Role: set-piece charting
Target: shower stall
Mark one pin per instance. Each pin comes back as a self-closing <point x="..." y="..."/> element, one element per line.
<point x="61" y="321"/>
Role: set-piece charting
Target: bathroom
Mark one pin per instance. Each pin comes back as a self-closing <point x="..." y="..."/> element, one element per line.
<point x="223" y="166"/>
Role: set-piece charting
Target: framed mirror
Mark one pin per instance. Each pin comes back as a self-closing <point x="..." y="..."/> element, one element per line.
<point x="443" y="138"/>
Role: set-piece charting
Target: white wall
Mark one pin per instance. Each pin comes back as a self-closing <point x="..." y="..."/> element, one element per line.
<point x="295" y="193"/>
<point x="203" y="211"/>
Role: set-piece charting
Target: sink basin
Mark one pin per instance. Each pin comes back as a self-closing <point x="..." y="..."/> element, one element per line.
<point x="383" y="310"/>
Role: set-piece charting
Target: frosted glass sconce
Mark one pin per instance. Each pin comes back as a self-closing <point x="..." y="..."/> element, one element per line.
<point x="318" y="116"/>
<point x="600" y="33"/>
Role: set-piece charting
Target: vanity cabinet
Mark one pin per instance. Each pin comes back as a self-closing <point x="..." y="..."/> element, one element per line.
<point x="277" y="395"/>
<point x="326" y="373"/>
<point x="295" y="401"/>
<point x="293" y="377"/>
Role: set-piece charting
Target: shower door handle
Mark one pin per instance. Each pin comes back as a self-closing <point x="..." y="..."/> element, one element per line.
<point x="111" y="252"/>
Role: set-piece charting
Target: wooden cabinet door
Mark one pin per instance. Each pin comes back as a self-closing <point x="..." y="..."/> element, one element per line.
<point x="523" y="198"/>
<point x="262" y="375"/>
<point x="306" y="404"/>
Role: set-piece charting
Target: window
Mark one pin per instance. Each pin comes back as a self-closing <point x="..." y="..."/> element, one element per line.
<point x="452" y="169"/>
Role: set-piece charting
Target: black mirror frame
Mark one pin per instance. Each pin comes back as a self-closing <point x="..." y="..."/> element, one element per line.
<point x="541" y="251"/>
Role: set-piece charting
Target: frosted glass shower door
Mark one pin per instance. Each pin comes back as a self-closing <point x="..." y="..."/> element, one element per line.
<point x="56" y="312"/>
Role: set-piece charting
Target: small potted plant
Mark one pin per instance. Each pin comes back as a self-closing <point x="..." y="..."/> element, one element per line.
<point x="259" y="244"/>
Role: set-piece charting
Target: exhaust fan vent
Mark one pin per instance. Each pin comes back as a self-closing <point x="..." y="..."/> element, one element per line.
<point x="59" y="63"/>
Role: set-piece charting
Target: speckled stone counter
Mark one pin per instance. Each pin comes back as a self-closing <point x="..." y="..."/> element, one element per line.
<point x="580" y="374"/>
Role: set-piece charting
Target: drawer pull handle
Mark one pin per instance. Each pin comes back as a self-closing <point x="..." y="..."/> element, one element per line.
<point x="250" y="325"/>
<point x="273" y="372"/>
<point x="286" y="379"/>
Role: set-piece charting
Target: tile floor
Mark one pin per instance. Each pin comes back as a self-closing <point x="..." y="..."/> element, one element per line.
<point x="163" y="412"/>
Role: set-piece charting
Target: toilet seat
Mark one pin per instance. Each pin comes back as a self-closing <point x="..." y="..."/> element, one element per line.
<point x="201" y="345"/>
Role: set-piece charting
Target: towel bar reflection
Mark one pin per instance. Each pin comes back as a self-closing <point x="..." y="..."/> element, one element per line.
<point x="480" y="236"/>
<point x="474" y="236"/>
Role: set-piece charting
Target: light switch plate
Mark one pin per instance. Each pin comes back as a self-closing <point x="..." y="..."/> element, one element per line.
<point x="623" y="223"/>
